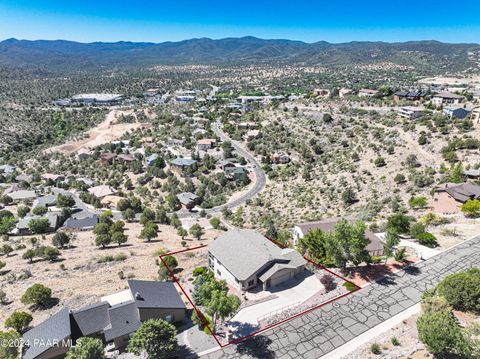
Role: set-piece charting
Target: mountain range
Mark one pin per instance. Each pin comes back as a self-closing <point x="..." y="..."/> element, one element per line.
<point x="60" y="54"/>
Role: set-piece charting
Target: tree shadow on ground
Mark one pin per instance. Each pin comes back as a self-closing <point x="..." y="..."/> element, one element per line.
<point x="241" y="329"/>
<point x="184" y="351"/>
<point x="256" y="347"/>
<point x="412" y="270"/>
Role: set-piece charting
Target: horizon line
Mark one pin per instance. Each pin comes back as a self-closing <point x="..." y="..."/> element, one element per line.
<point x="238" y="37"/>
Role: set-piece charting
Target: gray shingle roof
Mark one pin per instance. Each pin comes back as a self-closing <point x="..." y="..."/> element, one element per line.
<point x="464" y="192"/>
<point x="91" y="319"/>
<point x="152" y="294"/>
<point x="48" y="200"/>
<point x="57" y="327"/>
<point x="187" y="198"/>
<point x="183" y="162"/>
<point x="22" y="195"/>
<point x="81" y="223"/>
<point x="244" y="252"/>
<point x="124" y="319"/>
<point x="52" y="221"/>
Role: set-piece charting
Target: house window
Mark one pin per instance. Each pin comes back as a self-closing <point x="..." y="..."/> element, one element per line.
<point x="218" y="272"/>
<point x="250" y="282"/>
<point x="169" y="318"/>
<point x="236" y="280"/>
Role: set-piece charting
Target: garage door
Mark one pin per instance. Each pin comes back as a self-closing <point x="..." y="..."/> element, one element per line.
<point x="280" y="279"/>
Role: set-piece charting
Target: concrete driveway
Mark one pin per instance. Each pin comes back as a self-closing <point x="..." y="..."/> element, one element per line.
<point x="290" y="293"/>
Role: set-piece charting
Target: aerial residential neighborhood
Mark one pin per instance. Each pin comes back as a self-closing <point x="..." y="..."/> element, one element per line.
<point x="172" y="186"/>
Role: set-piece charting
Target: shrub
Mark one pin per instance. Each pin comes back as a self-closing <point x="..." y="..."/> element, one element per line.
<point x="441" y="333"/>
<point x="375" y="349"/>
<point x="37" y="295"/>
<point x="60" y="239"/>
<point x="417" y="202"/>
<point x="416" y="229"/>
<point x="9" y="351"/>
<point x="86" y="348"/>
<point x="19" y="321"/>
<point x="350" y="286"/>
<point x="328" y="282"/>
<point x="471" y="208"/>
<point x="155" y="337"/>
<point x="462" y="290"/>
<point x="395" y="341"/>
<point x="427" y="239"/>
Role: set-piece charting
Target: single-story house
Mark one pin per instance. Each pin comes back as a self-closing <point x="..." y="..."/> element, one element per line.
<point x="101" y="191"/>
<point x="53" y="177"/>
<point x="113" y="320"/>
<point x="280" y="157"/>
<point x="45" y="201"/>
<point x="125" y="158"/>
<point x="234" y="173"/>
<point x="22" y="195"/>
<point x="107" y="157"/>
<point x="7" y="169"/>
<point x="206" y="144"/>
<point x="81" y="224"/>
<point x="367" y="93"/>
<point x="182" y="163"/>
<point x="86" y="181"/>
<point x="446" y="98"/>
<point x="456" y="111"/>
<point x="83" y="154"/>
<point x="407" y="95"/>
<point x="463" y="192"/>
<point x="24" y="178"/>
<point x="150" y="160"/>
<point x="472" y="173"/>
<point x="410" y="112"/>
<point x="244" y="259"/>
<point x="23" y="227"/>
<point x="251" y="135"/>
<point x="223" y="164"/>
<point x="175" y="142"/>
<point x="375" y="247"/>
<point x="188" y="200"/>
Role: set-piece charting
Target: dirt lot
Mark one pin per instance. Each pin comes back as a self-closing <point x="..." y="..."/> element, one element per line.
<point x="83" y="280"/>
<point x="105" y="132"/>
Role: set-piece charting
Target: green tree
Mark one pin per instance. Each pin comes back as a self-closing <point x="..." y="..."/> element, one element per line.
<point x="86" y="348"/>
<point x="391" y="241"/>
<point x="171" y="262"/>
<point x="349" y="196"/>
<point x="6" y="249"/>
<point x="9" y="351"/>
<point x="399" y="223"/>
<point x="48" y="253"/>
<point x="149" y="231"/>
<point x="29" y="254"/>
<point x="119" y="238"/>
<point x="147" y="216"/>
<point x="182" y="232"/>
<point x="60" y="239"/>
<point x="418" y="202"/>
<point x="19" y="321"/>
<point x="156" y="338"/>
<point x="128" y="214"/>
<point x="427" y="239"/>
<point x="196" y="231"/>
<point x="38" y="225"/>
<point x="221" y="305"/>
<point x="37" y="295"/>
<point x="215" y="222"/>
<point x="314" y="243"/>
<point x="65" y="201"/>
<point x="462" y="290"/>
<point x="471" y="208"/>
<point x="441" y="333"/>
<point x="40" y="210"/>
<point x="103" y="236"/>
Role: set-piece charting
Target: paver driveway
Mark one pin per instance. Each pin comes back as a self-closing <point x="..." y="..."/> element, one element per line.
<point x="319" y="332"/>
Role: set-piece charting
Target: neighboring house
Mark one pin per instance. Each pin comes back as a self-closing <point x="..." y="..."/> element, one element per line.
<point x="113" y="320"/>
<point x="375" y="247"/>
<point x="24" y="178"/>
<point x="22" y="227"/>
<point x="223" y="164"/>
<point x="244" y="259"/>
<point x="101" y="191"/>
<point x="107" y="158"/>
<point x="251" y="135"/>
<point x="344" y="92"/>
<point x="410" y="112"/>
<point x="150" y="160"/>
<point x="182" y="163"/>
<point x="367" y="93"/>
<point x="7" y="169"/>
<point x="123" y="158"/>
<point x="407" y="95"/>
<point x="455" y="111"/>
<point x="50" y="339"/>
<point x="206" y="144"/>
<point x="463" y="192"/>
<point x="81" y="224"/>
<point x="322" y="92"/>
<point x="175" y="142"/>
<point x="446" y="98"/>
<point x="53" y="177"/>
<point x="22" y="195"/>
<point x="247" y="125"/>
<point x="45" y="201"/>
<point x="235" y="173"/>
<point x="449" y="198"/>
<point x="188" y="200"/>
<point x="475" y="174"/>
<point x="86" y="181"/>
<point x="280" y="157"/>
<point x="83" y="154"/>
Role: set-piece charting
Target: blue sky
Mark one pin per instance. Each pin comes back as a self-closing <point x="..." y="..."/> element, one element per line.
<point x="172" y="20"/>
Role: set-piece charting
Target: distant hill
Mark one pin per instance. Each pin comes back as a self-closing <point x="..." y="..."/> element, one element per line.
<point x="61" y="54"/>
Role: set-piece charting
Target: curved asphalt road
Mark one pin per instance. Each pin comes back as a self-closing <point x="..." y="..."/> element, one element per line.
<point x="257" y="187"/>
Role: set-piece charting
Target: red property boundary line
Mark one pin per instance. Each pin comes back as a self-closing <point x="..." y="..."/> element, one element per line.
<point x="236" y="341"/>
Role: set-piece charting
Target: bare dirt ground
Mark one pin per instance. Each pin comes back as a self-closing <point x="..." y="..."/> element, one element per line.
<point x="83" y="280"/>
<point x="105" y="132"/>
